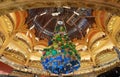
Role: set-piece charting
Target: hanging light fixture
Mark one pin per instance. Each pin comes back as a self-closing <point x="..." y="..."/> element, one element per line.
<point x="60" y="57"/>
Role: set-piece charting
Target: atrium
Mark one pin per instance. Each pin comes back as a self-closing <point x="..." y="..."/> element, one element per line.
<point x="60" y="38"/>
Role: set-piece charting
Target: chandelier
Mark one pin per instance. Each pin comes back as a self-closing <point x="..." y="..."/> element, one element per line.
<point x="60" y="57"/>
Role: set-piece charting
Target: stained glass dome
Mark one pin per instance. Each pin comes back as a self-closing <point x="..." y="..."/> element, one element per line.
<point x="60" y="37"/>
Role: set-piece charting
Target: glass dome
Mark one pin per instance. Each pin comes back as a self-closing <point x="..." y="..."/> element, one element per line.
<point x="27" y="27"/>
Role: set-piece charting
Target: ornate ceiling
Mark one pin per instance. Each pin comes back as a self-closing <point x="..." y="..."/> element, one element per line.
<point x="27" y="25"/>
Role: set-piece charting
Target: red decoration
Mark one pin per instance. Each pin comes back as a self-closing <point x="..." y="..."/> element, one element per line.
<point x="5" y="69"/>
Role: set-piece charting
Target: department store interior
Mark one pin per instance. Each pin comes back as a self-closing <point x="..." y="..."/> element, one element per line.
<point x="59" y="38"/>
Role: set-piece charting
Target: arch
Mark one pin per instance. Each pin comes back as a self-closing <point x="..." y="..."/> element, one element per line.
<point x="105" y="54"/>
<point x="25" y="38"/>
<point x="93" y="35"/>
<point x="102" y="18"/>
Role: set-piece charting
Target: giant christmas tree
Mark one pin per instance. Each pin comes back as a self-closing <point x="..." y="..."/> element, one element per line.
<point x="60" y="57"/>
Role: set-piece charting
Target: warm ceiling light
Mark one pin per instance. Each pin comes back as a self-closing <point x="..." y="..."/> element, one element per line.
<point x="55" y="13"/>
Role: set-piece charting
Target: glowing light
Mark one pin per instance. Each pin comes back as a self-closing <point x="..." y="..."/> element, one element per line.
<point x="32" y="27"/>
<point x="43" y="13"/>
<point x="76" y="13"/>
<point x="55" y="14"/>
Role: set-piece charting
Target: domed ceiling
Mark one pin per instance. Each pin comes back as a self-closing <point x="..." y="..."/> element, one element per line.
<point x="93" y="26"/>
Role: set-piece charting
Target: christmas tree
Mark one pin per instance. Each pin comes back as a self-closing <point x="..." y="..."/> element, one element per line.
<point x="60" y="57"/>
